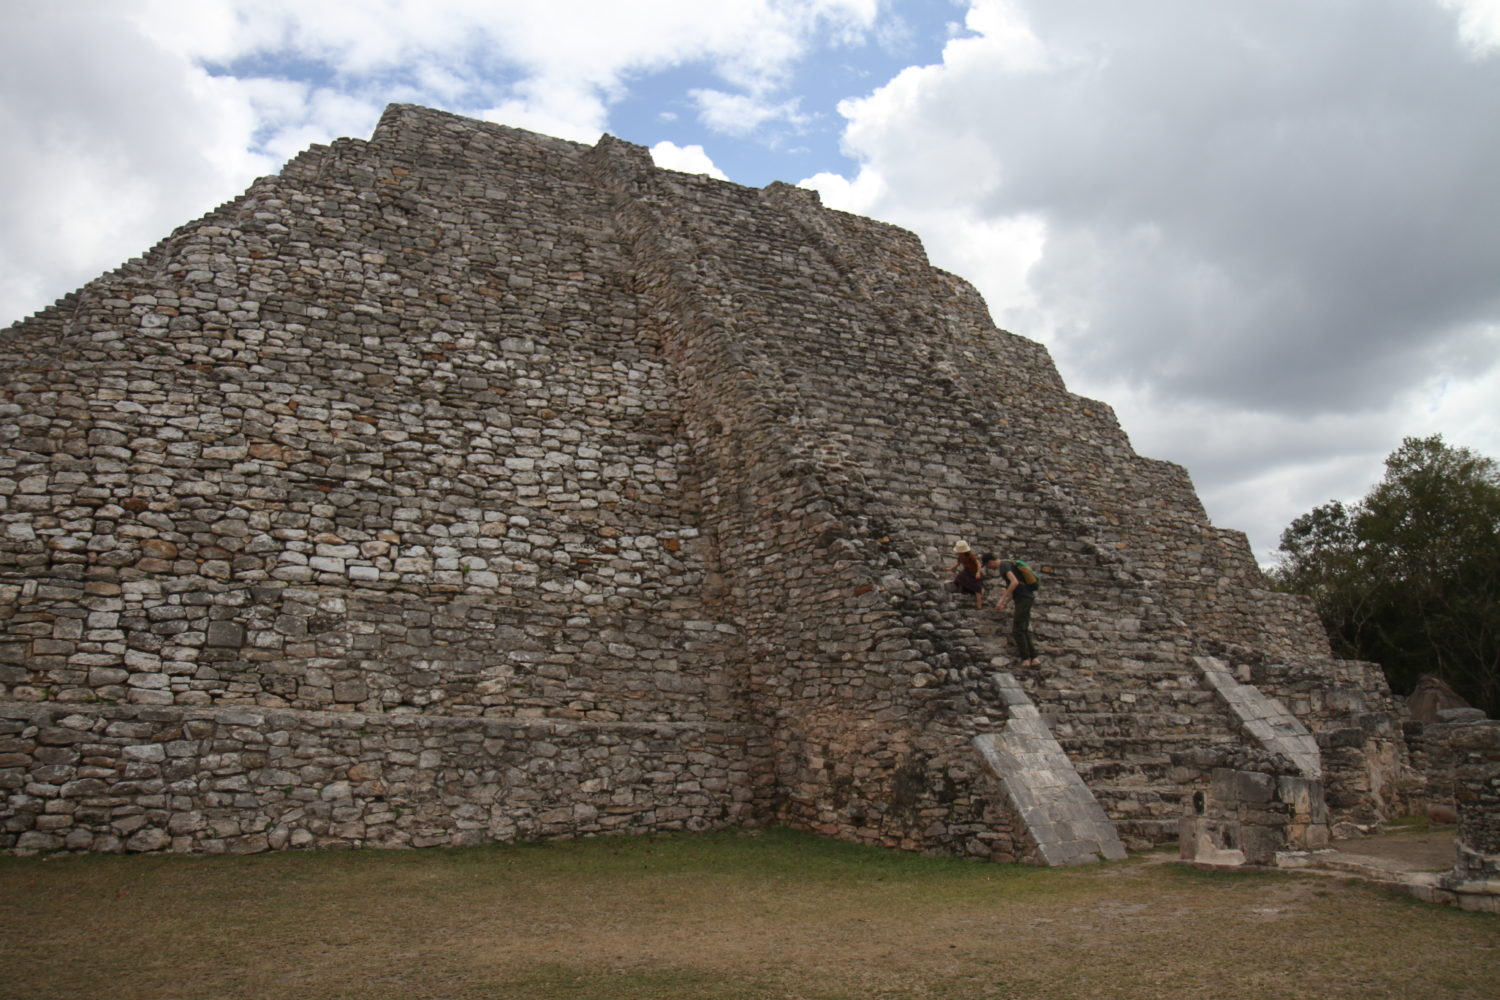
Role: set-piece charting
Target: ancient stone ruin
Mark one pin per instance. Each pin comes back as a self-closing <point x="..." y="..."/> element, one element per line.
<point x="468" y="485"/>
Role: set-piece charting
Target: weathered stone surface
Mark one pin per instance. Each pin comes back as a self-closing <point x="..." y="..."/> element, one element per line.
<point x="1258" y="804"/>
<point x="464" y="427"/>
<point x="1060" y="814"/>
<point x="1264" y="720"/>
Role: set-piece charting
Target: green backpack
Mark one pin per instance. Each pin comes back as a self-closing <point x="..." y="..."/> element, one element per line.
<point x="1024" y="573"/>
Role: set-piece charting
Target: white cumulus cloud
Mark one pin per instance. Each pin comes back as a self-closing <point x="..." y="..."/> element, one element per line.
<point x="688" y="159"/>
<point x="741" y="114"/>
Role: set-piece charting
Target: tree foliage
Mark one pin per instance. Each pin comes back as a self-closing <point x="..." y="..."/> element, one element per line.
<point x="1409" y="577"/>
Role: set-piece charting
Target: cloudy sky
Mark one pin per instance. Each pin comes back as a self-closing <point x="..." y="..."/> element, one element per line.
<point x="1266" y="231"/>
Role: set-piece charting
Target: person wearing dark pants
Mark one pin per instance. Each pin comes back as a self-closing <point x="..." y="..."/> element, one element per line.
<point x="1023" y="595"/>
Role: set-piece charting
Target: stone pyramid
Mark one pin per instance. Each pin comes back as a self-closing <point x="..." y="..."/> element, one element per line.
<point x="465" y="484"/>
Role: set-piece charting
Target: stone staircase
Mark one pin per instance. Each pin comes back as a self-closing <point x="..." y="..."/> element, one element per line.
<point x="1119" y="720"/>
<point x="1118" y="688"/>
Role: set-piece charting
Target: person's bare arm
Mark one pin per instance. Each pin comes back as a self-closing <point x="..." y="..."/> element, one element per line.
<point x="1009" y="591"/>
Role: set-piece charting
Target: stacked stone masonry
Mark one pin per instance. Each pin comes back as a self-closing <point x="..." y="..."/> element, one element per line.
<point x="467" y="484"/>
<point x="1475" y="751"/>
<point x="1257" y="805"/>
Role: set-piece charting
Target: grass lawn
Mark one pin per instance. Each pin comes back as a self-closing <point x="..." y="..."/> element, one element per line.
<point x="731" y="915"/>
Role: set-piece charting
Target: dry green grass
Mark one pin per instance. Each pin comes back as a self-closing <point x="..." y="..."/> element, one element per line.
<point x="731" y="915"/>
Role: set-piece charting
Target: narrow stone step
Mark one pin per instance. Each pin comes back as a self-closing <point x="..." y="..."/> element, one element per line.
<point x="1155" y="747"/>
<point x="1143" y="834"/>
<point x="1107" y="773"/>
<point x="1127" y="728"/>
<point x="1102" y="710"/>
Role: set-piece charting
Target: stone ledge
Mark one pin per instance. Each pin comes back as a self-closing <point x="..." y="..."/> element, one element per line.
<point x="257" y="715"/>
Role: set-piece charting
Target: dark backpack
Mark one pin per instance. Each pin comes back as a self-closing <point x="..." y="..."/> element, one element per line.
<point x="1024" y="574"/>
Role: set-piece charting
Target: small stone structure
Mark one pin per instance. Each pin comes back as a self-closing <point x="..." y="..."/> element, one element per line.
<point x="1435" y="715"/>
<point x="466" y="484"/>
<point x="1256" y="806"/>
<point x="1432" y="700"/>
<point x="1475" y="879"/>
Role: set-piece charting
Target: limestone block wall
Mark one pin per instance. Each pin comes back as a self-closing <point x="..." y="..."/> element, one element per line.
<point x="1437" y="763"/>
<point x="380" y="437"/>
<point x="1369" y="772"/>
<point x="1254" y="808"/>
<point x="251" y="779"/>
<point x="1475" y="878"/>
<point x="359" y="451"/>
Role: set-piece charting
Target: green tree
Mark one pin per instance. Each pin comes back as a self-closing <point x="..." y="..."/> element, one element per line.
<point x="1409" y="577"/>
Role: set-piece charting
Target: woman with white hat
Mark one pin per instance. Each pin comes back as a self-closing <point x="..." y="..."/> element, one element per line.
<point x="968" y="578"/>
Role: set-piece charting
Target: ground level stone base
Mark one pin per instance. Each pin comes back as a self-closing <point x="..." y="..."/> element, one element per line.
<point x="130" y="778"/>
<point x="1251" y="813"/>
